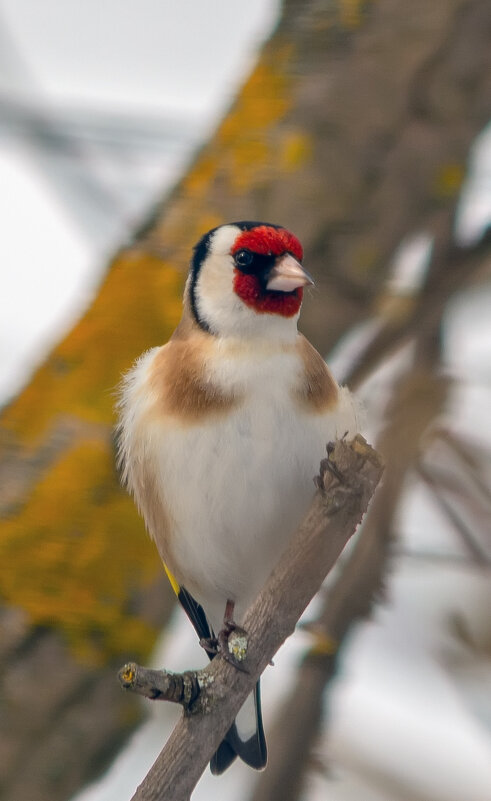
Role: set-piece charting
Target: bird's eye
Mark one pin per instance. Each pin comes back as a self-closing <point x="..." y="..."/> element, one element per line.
<point x="243" y="258"/>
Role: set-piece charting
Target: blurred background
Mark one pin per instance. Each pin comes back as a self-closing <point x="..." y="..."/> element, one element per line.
<point x="126" y="132"/>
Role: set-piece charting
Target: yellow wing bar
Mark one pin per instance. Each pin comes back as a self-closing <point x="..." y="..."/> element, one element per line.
<point x="173" y="582"/>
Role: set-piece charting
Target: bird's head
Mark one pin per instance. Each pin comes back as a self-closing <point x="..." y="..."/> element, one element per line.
<point x="246" y="280"/>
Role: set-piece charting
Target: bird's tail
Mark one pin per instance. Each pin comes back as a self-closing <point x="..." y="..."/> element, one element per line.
<point x="245" y="738"/>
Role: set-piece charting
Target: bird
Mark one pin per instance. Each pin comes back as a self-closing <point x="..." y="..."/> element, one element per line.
<point x="221" y="432"/>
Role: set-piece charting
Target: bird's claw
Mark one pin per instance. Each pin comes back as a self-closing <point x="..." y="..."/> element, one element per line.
<point x="231" y="643"/>
<point x="210" y="645"/>
<point x="328" y="464"/>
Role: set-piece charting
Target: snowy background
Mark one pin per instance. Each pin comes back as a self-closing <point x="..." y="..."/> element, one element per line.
<point x="95" y="121"/>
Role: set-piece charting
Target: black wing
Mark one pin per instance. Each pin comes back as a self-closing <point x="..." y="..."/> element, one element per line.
<point x="195" y="613"/>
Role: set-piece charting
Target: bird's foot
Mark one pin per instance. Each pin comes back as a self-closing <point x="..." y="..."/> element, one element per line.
<point x="231" y="641"/>
<point x="232" y="644"/>
<point x="210" y="645"/>
<point x="328" y="464"/>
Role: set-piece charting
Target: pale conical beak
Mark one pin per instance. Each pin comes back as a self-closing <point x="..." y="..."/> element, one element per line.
<point x="287" y="275"/>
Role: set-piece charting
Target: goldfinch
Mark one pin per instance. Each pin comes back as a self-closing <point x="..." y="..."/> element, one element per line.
<point x="221" y="432"/>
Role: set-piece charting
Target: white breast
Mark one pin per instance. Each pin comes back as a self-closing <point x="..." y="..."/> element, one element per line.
<point x="238" y="485"/>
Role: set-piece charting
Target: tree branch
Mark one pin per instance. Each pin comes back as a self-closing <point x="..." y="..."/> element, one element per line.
<point x="417" y="398"/>
<point x="453" y="267"/>
<point x="347" y="482"/>
<point x="162" y="685"/>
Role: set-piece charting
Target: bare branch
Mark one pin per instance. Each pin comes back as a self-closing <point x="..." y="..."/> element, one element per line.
<point x="452" y="268"/>
<point x="436" y="486"/>
<point x="348" y="480"/>
<point x="161" y="685"/>
<point x="471" y="456"/>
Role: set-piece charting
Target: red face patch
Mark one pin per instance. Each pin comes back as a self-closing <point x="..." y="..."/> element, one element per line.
<point x="266" y="240"/>
<point x="249" y="290"/>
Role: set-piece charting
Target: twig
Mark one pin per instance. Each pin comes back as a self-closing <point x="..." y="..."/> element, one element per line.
<point x="459" y="525"/>
<point x="461" y="265"/>
<point x="434" y="557"/>
<point x="161" y="685"/>
<point x="336" y="511"/>
<point x="469" y="455"/>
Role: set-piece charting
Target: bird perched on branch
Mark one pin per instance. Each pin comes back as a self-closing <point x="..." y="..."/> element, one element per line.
<point x="222" y="431"/>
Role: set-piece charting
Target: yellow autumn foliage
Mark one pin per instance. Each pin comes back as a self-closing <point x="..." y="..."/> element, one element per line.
<point x="75" y="553"/>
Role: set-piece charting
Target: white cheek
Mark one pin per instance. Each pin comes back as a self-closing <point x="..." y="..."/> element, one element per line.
<point x="216" y="300"/>
<point x="227" y="315"/>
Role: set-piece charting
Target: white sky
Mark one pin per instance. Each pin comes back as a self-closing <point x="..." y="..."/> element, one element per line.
<point x="137" y="56"/>
<point x="152" y="55"/>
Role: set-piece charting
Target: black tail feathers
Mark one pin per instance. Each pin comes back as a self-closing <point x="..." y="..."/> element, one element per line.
<point x="252" y="750"/>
